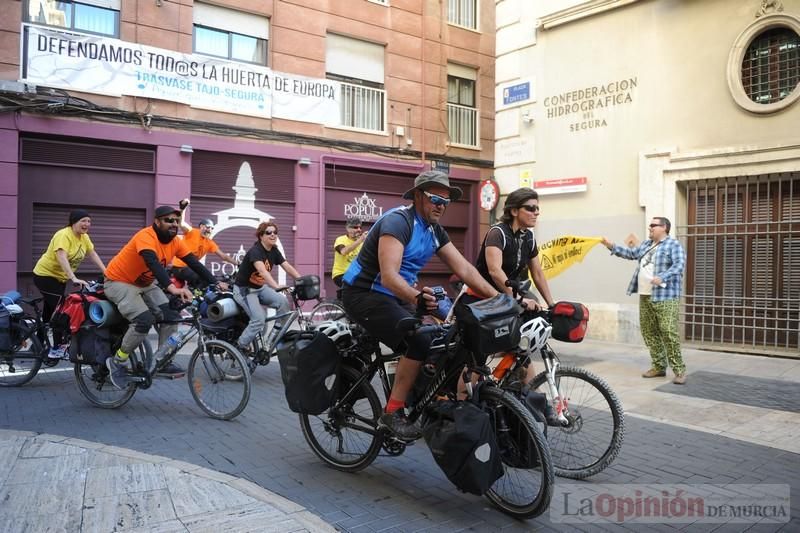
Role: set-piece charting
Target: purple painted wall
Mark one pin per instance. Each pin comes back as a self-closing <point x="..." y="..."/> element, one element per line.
<point x="173" y="177"/>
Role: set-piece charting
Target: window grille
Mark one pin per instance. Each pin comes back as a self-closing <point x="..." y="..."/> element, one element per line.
<point x="463" y="13"/>
<point x="363" y="107"/>
<point x="743" y="262"/>
<point x="771" y="66"/>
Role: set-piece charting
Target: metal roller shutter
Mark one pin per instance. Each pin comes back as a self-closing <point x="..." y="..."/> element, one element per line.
<point x="111" y="229"/>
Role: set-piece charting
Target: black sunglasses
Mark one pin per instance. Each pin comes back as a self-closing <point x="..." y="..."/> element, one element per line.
<point x="655" y="225"/>
<point x="270" y="232"/>
<point x="170" y="220"/>
<point x="530" y="208"/>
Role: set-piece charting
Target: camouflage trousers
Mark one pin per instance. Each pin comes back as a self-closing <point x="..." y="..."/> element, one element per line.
<point x="659" y="323"/>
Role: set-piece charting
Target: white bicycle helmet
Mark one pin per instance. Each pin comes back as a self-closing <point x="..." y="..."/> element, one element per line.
<point x="335" y="330"/>
<point x="535" y="333"/>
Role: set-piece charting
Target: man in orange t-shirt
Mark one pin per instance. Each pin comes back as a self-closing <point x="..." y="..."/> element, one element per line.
<point x="131" y="284"/>
<point x="200" y="243"/>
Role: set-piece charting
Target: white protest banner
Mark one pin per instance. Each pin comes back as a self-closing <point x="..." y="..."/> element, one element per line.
<point x="113" y="67"/>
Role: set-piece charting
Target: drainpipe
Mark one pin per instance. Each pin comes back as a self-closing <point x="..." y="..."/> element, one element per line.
<point x="422" y="58"/>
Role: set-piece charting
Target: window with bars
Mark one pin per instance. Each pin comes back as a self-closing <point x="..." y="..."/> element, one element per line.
<point x="743" y="268"/>
<point x="462" y="115"/>
<point x="771" y="66"/>
<point x="99" y="17"/>
<point x="463" y="13"/>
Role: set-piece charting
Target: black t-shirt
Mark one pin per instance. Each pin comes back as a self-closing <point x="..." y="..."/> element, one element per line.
<point x="248" y="276"/>
<point x="518" y="249"/>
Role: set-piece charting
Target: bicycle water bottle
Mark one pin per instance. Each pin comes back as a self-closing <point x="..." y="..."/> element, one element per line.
<point x="169" y="347"/>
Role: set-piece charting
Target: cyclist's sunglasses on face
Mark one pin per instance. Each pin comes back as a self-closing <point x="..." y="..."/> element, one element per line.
<point x="530" y="208"/>
<point x="656" y="225"/>
<point x="270" y="232"/>
<point x="170" y="220"/>
<point x="436" y="199"/>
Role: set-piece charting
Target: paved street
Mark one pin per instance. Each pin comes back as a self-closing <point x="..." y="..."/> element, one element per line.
<point x="697" y="434"/>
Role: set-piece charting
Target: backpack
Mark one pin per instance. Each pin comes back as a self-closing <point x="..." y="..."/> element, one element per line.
<point x="90" y="345"/>
<point x="309" y="364"/>
<point x="570" y="321"/>
<point x="462" y="441"/>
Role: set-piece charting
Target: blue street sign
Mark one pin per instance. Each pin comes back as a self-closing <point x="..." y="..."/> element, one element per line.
<point x="517" y="93"/>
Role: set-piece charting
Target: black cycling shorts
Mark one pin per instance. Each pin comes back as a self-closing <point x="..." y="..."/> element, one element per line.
<point x="379" y="314"/>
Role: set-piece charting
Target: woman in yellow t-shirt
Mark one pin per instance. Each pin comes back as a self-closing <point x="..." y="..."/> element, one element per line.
<point x="66" y="251"/>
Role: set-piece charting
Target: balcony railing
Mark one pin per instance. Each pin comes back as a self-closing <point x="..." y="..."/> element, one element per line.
<point x="363" y="108"/>
<point x="462" y="125"/>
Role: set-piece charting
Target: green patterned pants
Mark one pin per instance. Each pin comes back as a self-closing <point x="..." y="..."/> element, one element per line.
<point x="659" y="323"/>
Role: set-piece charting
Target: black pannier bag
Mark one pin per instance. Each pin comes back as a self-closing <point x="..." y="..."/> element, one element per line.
<point x="307" y="287"/>
<point x="570" y="321"/>
<point x="6" y="340"/>
<point x="490" y="326"/>
<point x="309" y="366"/>
<point x="91" y="344"/>
<point x="462" y="441"/>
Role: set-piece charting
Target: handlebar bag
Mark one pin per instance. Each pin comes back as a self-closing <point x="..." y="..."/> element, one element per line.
<point x="462" y="441"/>
<point x="90" y="345"/>
<point x="570" y="321"/>
<point x="307" y="287"/>
<point x="490" y="326"/>
<point x="309" y="364"/>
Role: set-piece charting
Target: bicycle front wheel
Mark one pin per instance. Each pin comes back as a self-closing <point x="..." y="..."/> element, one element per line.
<point x="210" y="369"/>
<point x="526" y="486"/>
<point x="325" y="311"/>
<point x="592" y="439"/>
<point x="20" y="366"/>
<point x="345" y="436"/>
<point x="95" y="384"/>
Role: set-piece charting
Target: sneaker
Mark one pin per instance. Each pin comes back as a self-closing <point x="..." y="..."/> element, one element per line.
<point x="171" y="370"/>
<point x="118" y="372"/>
<point x="58" y="352"/>
<point x="680" y="379"/>
<point x="399" y="426"/>
<point x="653" y="373"/>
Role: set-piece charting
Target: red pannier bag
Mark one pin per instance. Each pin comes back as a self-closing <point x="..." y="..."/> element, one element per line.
<point x="570" y="321"/>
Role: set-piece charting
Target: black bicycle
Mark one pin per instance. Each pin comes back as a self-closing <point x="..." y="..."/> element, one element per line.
<point x="347" y="436"/>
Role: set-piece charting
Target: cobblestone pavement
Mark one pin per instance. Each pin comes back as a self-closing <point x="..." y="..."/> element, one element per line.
<point x="743" y="390"/>
<point x="663" y="444"/>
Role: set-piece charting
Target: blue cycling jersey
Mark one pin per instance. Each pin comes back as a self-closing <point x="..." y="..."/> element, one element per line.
<point x="420" y="241"/>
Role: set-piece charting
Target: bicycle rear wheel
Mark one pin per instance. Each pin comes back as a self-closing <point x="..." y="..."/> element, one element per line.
<point x="526" y="486"/>
<point x="95" y="384"/>
<point x="345" y="436"/>
<point x="20" y="366"/>
<point x="212" y="388"/>
<point x="596" y="427"/>
<point x="326" y="310"/>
